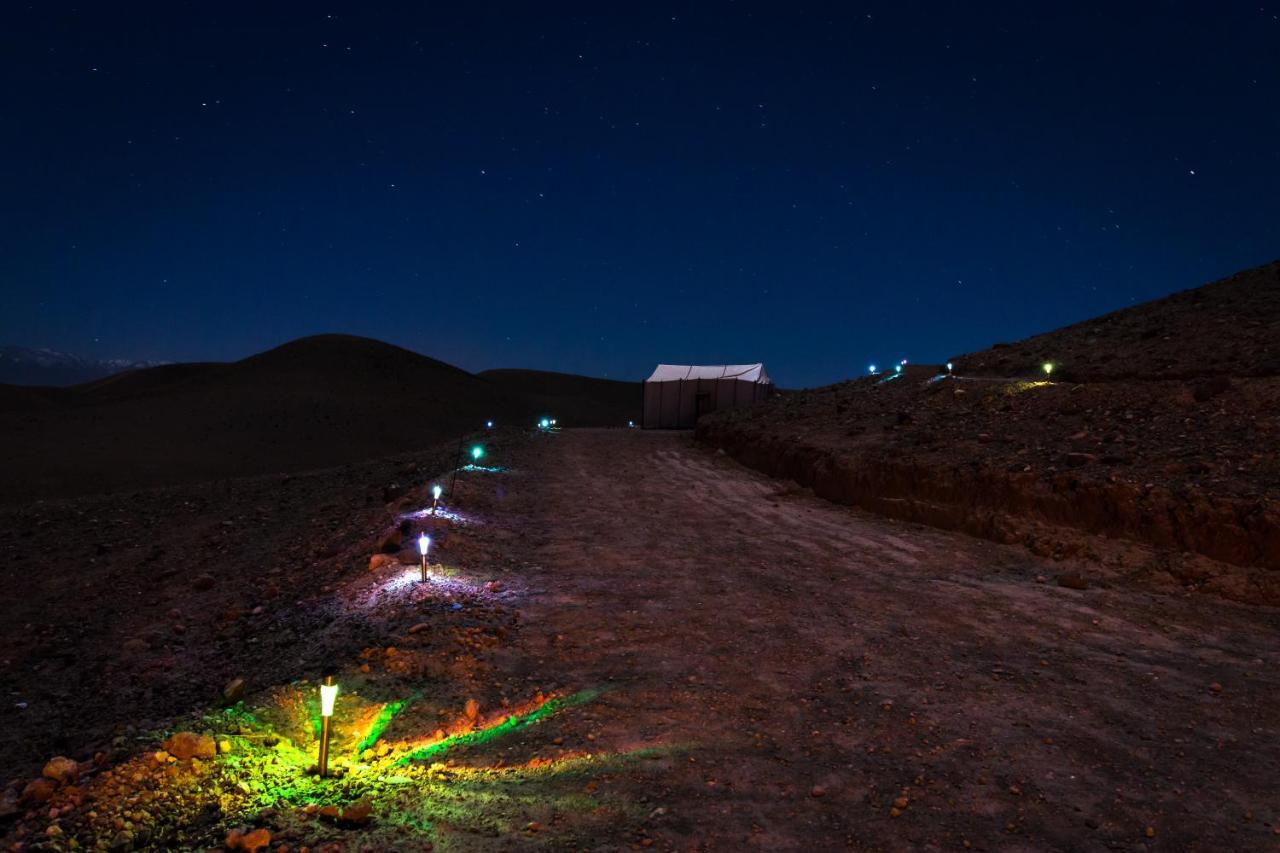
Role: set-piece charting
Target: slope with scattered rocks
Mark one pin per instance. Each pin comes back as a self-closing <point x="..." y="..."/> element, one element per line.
<point x="1154" y="440"/>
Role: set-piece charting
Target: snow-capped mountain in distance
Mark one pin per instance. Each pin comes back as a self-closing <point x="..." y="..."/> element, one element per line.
<point x="28" y="366"/>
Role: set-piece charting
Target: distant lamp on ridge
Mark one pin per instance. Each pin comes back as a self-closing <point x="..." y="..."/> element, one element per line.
<point x="476" y="453"/>
<point x="328" y="696"/>
<point x="1048" y="368"/>
<point x="436" y="492"/>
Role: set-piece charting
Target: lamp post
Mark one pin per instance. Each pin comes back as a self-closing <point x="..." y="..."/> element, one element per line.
<point x="476" y="453"/>
<point x="328" y="695"/>
<point x="1048" y="369"/>
<point x="436" y="491"/>
<point x="871" y="368"/>
<point x="424" y="545"/>
<point x="949" y="365"/>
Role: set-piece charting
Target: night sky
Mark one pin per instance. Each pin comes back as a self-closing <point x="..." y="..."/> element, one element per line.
<point x="598" y="187"/>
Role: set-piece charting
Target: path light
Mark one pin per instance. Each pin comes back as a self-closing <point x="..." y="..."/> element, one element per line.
<point x="897" y="368"/>
<point x="476" y="453"/>
<point x="631" y="424"/>
<point x="328" y="695"/>
<point x="871" y="369"/>
<point x="488" y="424"/>
<point x="545" y="423"/>
<point x="1048" y="368"/>
<point x="424" y="545"/>
<point x="553" y="421"/>
<point x="436" y="492"/>
<point x="948" y="367"/>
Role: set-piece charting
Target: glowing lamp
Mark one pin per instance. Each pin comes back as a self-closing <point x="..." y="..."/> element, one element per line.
<point x="328" y="695"/>
<point x="553" y="421"/>
<point x="488" y="424"/>
<point x="544" y="423"/>
<point x="424" y="545"/>
<point x="436" y="492"/>
<point x="476" y="453"/>
<point x="1048" y="368"/>
<point x="948" y="367"/>
<point x="871" y="369"/>
<point x="897" y="368"/>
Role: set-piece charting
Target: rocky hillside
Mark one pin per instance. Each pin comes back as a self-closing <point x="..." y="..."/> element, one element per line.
<point x="312" y="403"/>
<point x="1149" y="454"/>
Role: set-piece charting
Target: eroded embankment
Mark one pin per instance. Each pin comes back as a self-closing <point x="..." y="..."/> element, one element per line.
<point x="1223" y="545"/>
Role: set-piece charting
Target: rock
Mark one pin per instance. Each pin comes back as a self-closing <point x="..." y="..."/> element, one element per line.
<point x="817" y="791"/>
<point x="1077" y="460"/>
<point x="377" y="561"/>
<point x="356" y="814"/>
<point x="224" y="747"/>
<point x="493" y="586"/>
<point x="61" y="769"/>
<point x="472" y="710"/>
<point x="234" y="691"/>
<point x="203" y="582"/>
<point x="184" y="745"/>
<point x="1215" y="687"/>
<point x="1204" y="391"/>
<point x="251" y="841"/>
<point x="390" y="543"/>
<point x="1073" y="580"/>
<point x="420" y="627"/>
<point x="135" y="646"/>
<point x="392" y="492"/>
<point x="38" y="791"/>
<point x="900" y="803"/>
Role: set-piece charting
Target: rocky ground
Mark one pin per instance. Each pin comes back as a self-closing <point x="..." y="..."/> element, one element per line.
<point x="1154" y="435"/>
<point x="629" y="641"/>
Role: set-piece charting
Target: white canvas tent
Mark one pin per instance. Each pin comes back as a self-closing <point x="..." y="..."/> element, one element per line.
<point x="677" y="394"/>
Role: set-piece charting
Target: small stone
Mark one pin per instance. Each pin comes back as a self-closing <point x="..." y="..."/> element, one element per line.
<point x="1073" y="580"/>
<point x="377" y="561"/>
<point x="472" y="709"/>
<point x="61" y="769"/>
<point x="251" y="842"/>
<point x="1215" y="687"/>
<point x="1151" y="832"/>
<point x="203" y="582"/>
<point x="900" y="803"/>
<point x="224" y="747"/>
<point x="356" y="814"/>
<point x="817" y="791"/>
<point x="184" y="745"/>
<point x="38" y="791"/>
<point x="234" y="691"/>
<point x="420" y="627"/>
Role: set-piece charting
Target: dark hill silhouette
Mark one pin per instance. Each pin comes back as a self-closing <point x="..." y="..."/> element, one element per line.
<point x="311" y="403"/>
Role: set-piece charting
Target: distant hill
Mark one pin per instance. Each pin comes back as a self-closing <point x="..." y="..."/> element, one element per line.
<point x="27" y="366"/>
<point x="573" y="399"/>
<point x="314" y="402"/>
<point x="1228" y="327"/>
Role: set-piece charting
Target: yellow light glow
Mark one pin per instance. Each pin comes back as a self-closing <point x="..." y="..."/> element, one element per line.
<point x="1048" y="368"/>
<point x="328" y="695"/>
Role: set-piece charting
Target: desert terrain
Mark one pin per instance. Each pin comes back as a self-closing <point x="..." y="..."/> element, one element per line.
<point x="633" y="642"/>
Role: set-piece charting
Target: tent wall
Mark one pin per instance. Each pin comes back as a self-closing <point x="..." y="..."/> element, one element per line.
<point x="677" y="404"/>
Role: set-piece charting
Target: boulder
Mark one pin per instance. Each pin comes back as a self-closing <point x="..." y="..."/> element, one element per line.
<point x="234" y="691"/>
<point x="391" y="542"/>
<point x="248" y="840"/>
<point x="38" y="791"/>
<point x="377" y="561"/>
<point x="1073" y="580"/>
<point x="203" y="582"/>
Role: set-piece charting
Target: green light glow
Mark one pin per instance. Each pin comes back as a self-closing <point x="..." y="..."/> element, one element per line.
<point x="388" y="713"/>
<point x="1048" y="368"/>
<point x="508" y="725"/>
<point x="477" y="452"/>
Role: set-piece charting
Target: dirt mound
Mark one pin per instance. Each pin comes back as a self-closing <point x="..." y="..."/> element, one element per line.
<point x="1172" y="457"/>
<point x="1228" y="328"/>
<point x="311" y="403"/>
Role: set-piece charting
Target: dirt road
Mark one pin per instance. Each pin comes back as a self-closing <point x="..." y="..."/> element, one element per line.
<point x="821" y="678"/>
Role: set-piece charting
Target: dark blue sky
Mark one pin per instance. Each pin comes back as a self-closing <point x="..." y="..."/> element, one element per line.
<point x="597" y="187"/>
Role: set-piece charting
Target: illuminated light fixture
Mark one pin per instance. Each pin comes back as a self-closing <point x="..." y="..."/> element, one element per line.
<point x="1048" y="368"/>
<point x="871" y="369"/>
<point x="424" y="545"/>
<point x="545" y="423"/>
<point x="553" y="421"/>
<point x="488" y="424"/>
<point x="476" y="453"/>
<point x="631" y="424"/>
<point x="949" y="367"/>
<point x="436" y="492"/>
<point x="897" y="368"/>
<point x="328" y="696"/>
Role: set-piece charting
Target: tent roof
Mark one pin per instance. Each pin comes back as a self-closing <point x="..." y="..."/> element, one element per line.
<point x="744" y="372"/>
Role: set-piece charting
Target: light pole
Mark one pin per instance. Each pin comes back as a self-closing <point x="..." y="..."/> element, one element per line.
<point x="436" y="491"/>
<point x="424" y="545"/>
<point x="328" y="695"/>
